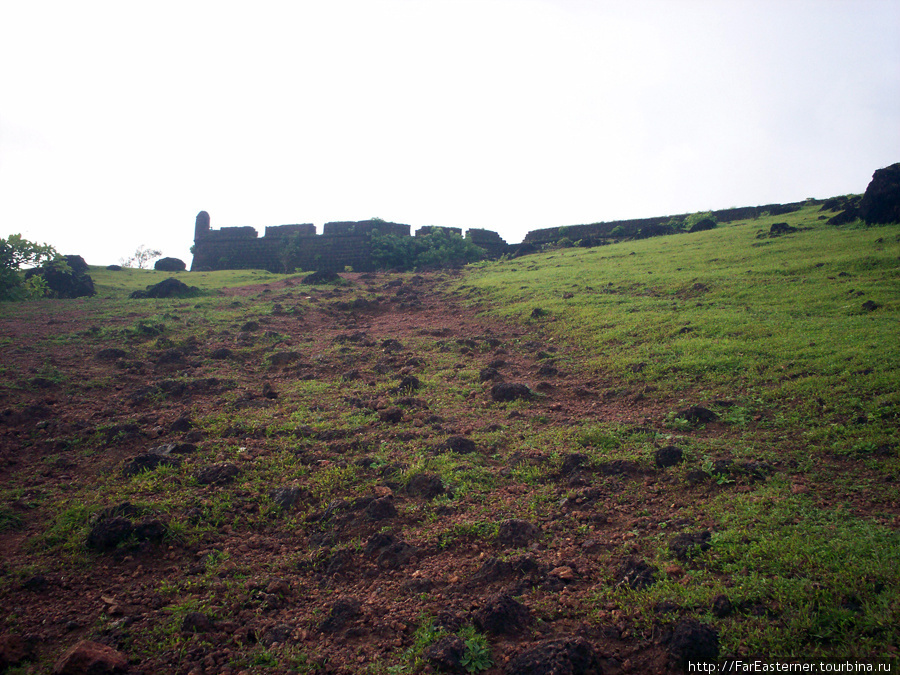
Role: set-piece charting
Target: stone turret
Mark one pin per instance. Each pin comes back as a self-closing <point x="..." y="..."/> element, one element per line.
<point x="201" y="225"/>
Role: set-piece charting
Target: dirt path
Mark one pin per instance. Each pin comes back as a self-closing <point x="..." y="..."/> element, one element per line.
<point x="341" y="579"/>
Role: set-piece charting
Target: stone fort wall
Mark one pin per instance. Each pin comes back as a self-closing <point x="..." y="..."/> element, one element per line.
<point x="340" y="245"/>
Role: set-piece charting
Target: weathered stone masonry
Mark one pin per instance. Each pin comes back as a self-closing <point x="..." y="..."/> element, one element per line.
<point x="341" y="244"/>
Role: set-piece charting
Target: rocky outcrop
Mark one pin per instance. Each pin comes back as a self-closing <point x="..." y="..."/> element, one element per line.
<point x="881" y="202"/>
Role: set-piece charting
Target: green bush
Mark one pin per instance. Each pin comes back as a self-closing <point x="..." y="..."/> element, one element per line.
<point x="14" y="253"/>
<point x="438" y="248"/>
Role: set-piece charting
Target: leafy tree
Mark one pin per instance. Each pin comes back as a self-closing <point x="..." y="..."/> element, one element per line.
<point x="438" y="248"/>
<point x="142" y="256"/>
<point x="14" y="253"/>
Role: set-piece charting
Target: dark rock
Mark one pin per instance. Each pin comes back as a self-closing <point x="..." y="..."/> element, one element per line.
<point x="446" y="654"/>
<point x="72" y="283"/>
<point x="283" y="359"/>
<point x="217" y="474"/>
<point x="510" y="391"/>
<point x="338" y="562"/>
<point x="391" y="346"/>
<point x="574" y="461"/>
<point x="668" y="456"/>
<point x="461" y="445"/>
<point x="197" y="622"/>
<point x="502" y="615"/>
<point x="781" y="228"/>
<point x="487" y="374"/>
<point x="516" y="533"/>
<point x="618" y="467"/>
<point x="286" y="496"/>
<point x="395" y="556"/>
<point x="425" y="485"/>
<point x="148" y="461"/>
<point x="703" y="225"/>
<point x="343" y="611"/>
<point x="14" y="649"/>
<point x="495" y="569"/>
<point x="870" y="306"/>
<point x="250" y="326"/>
<point x="689" y="544"/>
<point x="109" y="533"/>
<point x="268" y="391"/>
<point x="698" y="415"/>
<point x="538" y="312"/>
<point x="409" y="383"/>
<point x="111" y="354"/>
<point x="566" y="656"/>
<point x="169" y="265"/>
<point x="391" y="416"/>
<point x="378" y="542"/>
<point x="149" y="529"/>
<point x="220" y="353"/>
<point x="722" y="606"/>
<point x="881" y="202"/>
<point x="167" y="288"/>
<point x="114" y="268"/>
<point x="280" y="634"/>
<point x="90" y="658"/>
<point x="320" y="277"/>
<point x="636" y="574"/>
<point x="693" y="642"/>
<point x="381" y="509"/>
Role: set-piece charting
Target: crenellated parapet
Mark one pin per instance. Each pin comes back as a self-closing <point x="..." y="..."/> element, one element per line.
<point x="342" y="244"/>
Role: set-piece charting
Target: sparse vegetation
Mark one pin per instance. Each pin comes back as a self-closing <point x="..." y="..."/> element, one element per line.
<point x="325" y="481"/>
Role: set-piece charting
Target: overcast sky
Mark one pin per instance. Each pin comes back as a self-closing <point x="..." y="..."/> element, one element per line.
<point x="119" y="121"/>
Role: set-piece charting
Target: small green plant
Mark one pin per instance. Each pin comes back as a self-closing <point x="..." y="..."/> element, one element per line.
<point x="477" y="656"/>
<point x="709" y="468"/>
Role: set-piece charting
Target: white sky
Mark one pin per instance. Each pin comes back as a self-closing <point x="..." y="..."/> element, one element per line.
<point x="120" y="120"/>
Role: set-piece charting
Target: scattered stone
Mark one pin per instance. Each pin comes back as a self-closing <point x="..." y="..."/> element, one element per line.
<point x="269" y="392"/>
<point x="114" y="268"/>
<point x="220" y="353"/>
<point x="320" y="277"/>
<point x="547" y="370"/>
<point x="391" y="416"/>
<point x="574" y="461"/>
<point x="722" y="606"/>
<point x="90" y="658"/>
<point x="281" y="359"/>
<point x="170" y="265"/>
<point x="566" y="656"/>
<point x="396" y="555"/>
<point x="72" y="283"/>
<point x="217" y="474"/>
<point x="618" y="467"/>
<point x="538" y="312"/>
<point x="390" y="346"/>
<point x="668" y="456"/>
<point x="781" y="228"/>
<point x="870" y="306"/>
<point x="696" y="414"/>
<point x="148" y="461"/>
<point x="488" y="374"/>
<point x="516" y="533"/>
<point x="286" y="496"/>
<point x="343" y="611"/>
<point x="425" y="485"/>
<point x="693" y="642"/>
<point x="636" y="574"/>
<point x="109" y="533"/>
<point x="502" y="615"/>
<point x="409" y="383"/>
<point x="689" y="544"/>
<point x="381" y="509"/>
<point x="881" y="202"/>
<point x="446" y="654"/>
<point x="167" y="288"/>
<point x="14" y="649"/>
<point x="197" y="622"/>
<point x="280" y="634"/>
<point x="111" y="354"/>
<point x="461" y="445"/>
<point x="510" y="391"/>
<point x="703" y="225"/>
